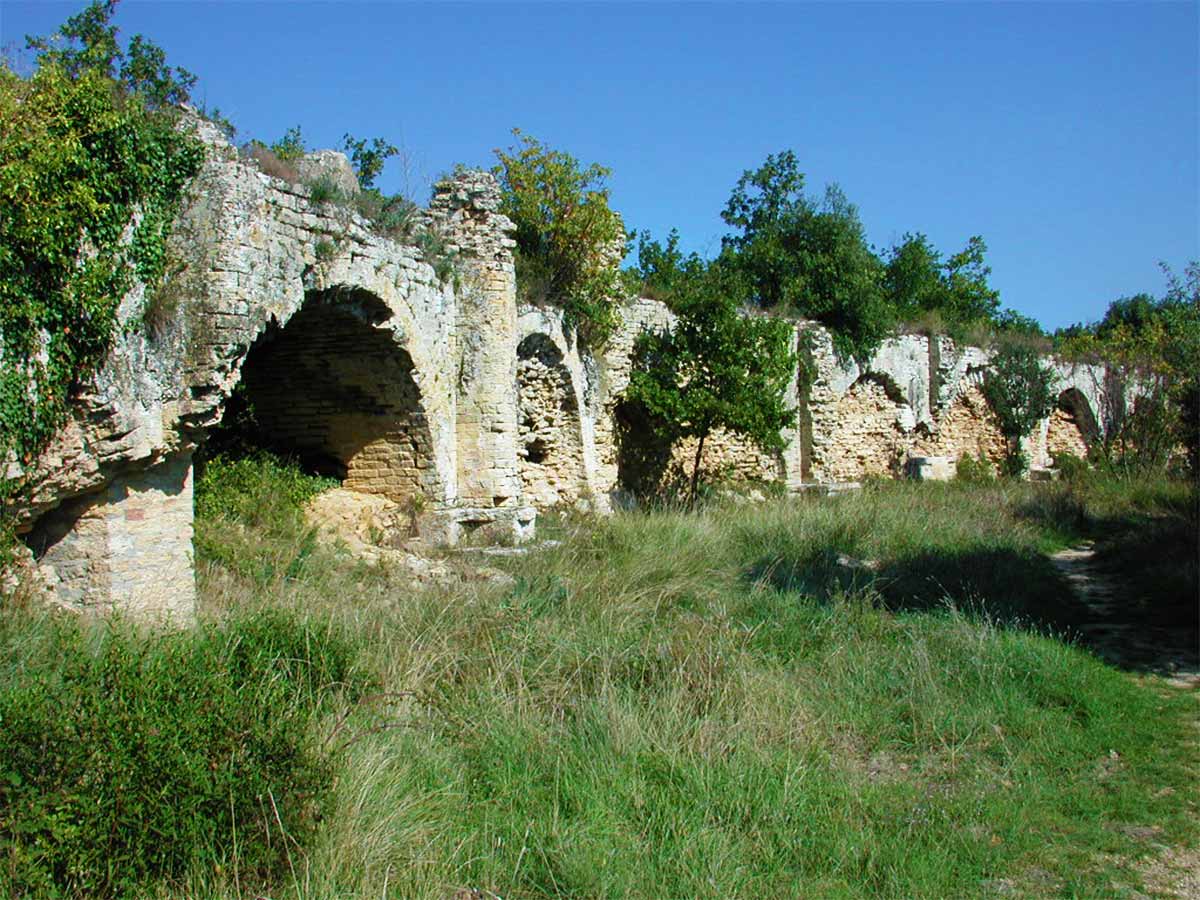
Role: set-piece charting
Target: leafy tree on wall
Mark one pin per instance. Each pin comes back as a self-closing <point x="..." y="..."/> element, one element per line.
<point x="569" y="242"/>
<point x="918" y="280"/>
<point x="717" y="368"/>
<point x="810" y="258"/>
<point x="1153" y="346"/>
<point x="661" y="269"/>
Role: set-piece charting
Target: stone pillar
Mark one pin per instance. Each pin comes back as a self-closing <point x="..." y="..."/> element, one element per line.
<point x="126" y="549"/>
<point x="465" y="211"/>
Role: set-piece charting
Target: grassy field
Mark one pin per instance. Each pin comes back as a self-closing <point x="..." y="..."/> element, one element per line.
<point x="876" y="695"/>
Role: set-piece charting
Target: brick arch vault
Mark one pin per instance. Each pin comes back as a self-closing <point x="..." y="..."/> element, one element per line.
<point x="336" y="388"/>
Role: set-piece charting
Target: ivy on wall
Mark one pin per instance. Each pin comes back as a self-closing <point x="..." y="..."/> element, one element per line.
<point x="93" y="168"/>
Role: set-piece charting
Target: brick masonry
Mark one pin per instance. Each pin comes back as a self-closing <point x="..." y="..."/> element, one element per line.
<point x="413" y="386"/>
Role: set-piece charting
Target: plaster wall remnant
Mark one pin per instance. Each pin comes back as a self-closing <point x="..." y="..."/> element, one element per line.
<point x="429" y="391"/>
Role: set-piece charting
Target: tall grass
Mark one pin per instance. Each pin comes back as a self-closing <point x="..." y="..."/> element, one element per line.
<point x="673" y="705"/>
<point x="774" y="700"/>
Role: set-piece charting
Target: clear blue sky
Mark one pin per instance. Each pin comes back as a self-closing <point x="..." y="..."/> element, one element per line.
<point x="1065" y="134"/>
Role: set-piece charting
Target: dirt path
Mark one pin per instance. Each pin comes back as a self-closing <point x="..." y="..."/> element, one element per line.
<point x="1117" y="632"/>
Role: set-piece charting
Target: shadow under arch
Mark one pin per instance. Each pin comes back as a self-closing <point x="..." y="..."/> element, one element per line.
<point x="333" y="389"/>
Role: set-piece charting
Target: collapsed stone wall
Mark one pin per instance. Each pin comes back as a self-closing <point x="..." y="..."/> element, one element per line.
<point x="551" y="446"/>
<point x="362" y="361"/>
<point x="362" y="354"/>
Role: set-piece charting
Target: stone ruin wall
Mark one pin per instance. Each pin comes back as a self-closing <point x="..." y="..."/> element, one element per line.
<point x="359" y="357"/>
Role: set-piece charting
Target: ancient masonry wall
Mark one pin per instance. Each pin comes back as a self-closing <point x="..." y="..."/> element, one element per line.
<point x="359" y="359"/>
<point x="354" y="342"/>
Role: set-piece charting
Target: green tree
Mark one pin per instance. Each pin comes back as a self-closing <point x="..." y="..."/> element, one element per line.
<point x="1151" y="346"/>
<point x="1020" y="389"/>
<point x="918" y="280"/>
<point x="716" y="368"/>
<point x="87" y="44"/>
<point x="795" y="254"/>
<point x="662" y="269"/>
<point x="368" y="158"/>
<point x="291" y="146"/>
<point x="569" y="242"/>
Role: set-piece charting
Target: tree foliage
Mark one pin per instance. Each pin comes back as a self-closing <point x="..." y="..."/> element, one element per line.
<point x="569" y="242"/>
<point x="806" y="257"/>
<point x="662" y="270"/>
<point x="92" y="170"/>
<point x="918" y="280"/>
<point x="1151" y="346"/>
<point x="1020" y="389"/>
<point x="368" y="157"/>
<point x="716" y="368"/>
<point x="291" y="146"/>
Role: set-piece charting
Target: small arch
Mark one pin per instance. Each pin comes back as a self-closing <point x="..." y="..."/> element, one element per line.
<point x="549" y="429"/>
<point x="890" y="389"/>
<point x="1072" y="427"/>
<point x="333" y="389"/>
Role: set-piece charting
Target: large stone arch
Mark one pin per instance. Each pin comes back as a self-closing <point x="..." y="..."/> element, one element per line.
<point x="549" y="432"/>
<point x="334" y="387"/>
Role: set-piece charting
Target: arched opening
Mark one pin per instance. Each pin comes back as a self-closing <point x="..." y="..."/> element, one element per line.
<point x="333" y="390"/>
<point x="1072" y="427"/>
<point x="548" y="433"/>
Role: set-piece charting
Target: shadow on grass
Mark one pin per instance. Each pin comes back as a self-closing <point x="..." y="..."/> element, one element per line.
<point x="1010" y="588"/>
<point x="1146" y="563"/>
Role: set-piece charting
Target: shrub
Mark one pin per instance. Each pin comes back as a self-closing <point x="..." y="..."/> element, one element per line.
<point x="248" y="488"/>
<point x="324" y="250"/>
<point x="977" y="470"/>
<point x="128" y="759"/>
<point x="1070" y="467"/>
<point x="437" y="252"/>
<point x="290" y="147"/>
<point x="325" y="190"/>
<point x="368" y="157"/>
<point x="270" y="163"/>
<point x="1020" y="390"/>
<point x="393" y="216"/>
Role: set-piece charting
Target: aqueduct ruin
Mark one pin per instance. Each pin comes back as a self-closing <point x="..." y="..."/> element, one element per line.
<point x="356" y="358"/>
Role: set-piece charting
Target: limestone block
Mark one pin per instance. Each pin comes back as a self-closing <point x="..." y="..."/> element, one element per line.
<point x="929" y="468"/>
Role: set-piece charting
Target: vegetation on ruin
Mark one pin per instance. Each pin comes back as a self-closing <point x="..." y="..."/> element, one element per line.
<point x="1020" y="389"/>
<point x="795" y="254"/>
<point x="714" y="369"/>
<point x="569" y="242"/>
<point x="93" y="168"/>
<point x="870" y="695"/>
<point x="1153" y="343"/>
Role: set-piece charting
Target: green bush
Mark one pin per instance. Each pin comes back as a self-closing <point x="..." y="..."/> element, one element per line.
<point x="324" y="190"/>
<point x="254" y="487"/>
<point x="569" y="241"/>
<point x="1070" y="467"/>
<point x="127" y="759"/>
<point x="88" y="144"/>
<point x="977" y="470"/>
